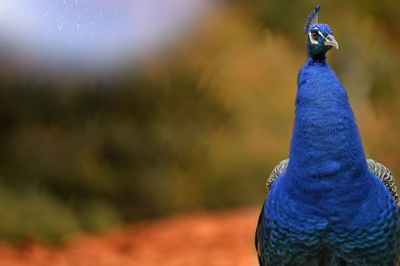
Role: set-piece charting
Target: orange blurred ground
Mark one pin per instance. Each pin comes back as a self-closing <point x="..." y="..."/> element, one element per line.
<point x="202" y="239"/>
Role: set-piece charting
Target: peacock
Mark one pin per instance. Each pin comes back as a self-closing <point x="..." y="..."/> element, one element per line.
<point x="327" y="204"/>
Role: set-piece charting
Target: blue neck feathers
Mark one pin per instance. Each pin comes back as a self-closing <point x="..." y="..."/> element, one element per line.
<point x="326" y="144"/>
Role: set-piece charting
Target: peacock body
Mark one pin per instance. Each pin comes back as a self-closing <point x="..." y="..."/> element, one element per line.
<point x="327" y="205"/>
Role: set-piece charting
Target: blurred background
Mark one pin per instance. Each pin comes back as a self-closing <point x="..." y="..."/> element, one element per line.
<point x="114" y="113"/>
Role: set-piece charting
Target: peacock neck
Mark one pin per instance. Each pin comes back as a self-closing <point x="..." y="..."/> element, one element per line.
<point x="317" y="57"/>
<point x="325" y="141"/>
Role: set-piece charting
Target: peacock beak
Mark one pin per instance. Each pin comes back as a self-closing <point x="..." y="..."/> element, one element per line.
<point x="330" y="41"/>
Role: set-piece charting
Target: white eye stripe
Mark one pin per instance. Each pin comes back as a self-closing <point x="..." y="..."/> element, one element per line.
<point x="312" y="40"/>
<point x="320" y="33"/>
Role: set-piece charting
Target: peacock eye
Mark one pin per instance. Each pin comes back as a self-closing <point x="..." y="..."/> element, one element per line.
<point x="314" y="34"/>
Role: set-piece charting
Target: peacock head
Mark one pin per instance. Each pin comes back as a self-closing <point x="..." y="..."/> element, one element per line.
<point x="320" y="37"/>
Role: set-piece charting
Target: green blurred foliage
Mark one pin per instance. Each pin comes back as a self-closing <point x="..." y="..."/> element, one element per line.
<point x="199" y="127"/>
<point x="108" y="152"/>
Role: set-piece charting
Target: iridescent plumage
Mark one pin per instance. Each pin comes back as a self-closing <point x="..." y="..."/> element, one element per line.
<point x="376" y="168"/>
<point x="327" y="204"/>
